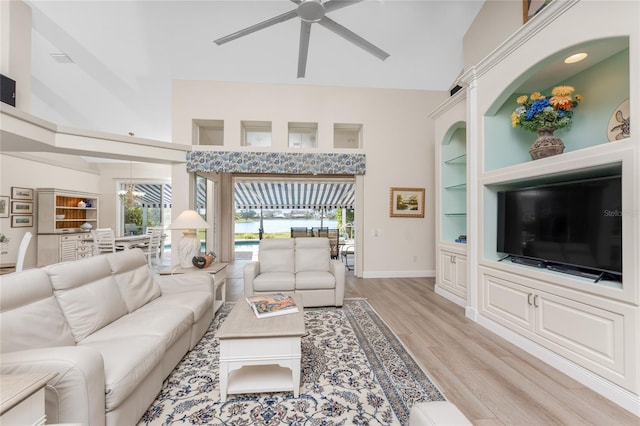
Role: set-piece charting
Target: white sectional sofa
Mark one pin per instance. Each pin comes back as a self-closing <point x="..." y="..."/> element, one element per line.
<point x="109" y="328"/>
<point x="300" y="266"/>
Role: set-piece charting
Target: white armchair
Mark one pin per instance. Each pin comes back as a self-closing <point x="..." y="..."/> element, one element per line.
<point x="297" y="266"/>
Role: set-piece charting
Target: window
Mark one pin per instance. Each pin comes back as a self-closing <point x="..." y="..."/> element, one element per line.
<point x="208" y="132"/>
<point x="303" y="135"/>
<point x="151" y="209"/>
<point x="347" y="135"/>
<point x="256" y="133"/>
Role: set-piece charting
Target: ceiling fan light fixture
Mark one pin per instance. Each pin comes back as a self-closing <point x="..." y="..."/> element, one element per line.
<point x="311" y="11"/>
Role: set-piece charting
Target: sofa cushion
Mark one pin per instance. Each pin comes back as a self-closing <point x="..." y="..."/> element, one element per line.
<point x="275" y="281"/>
<point x="133" y="277"/>
<point x="167" y="322"/>
<point x="27" y="299"/>
<point x="127" y="362"/>
<point x="87" y="294"/>
<point x="276" y="255"/>
<point x="312" y="254"/>
<point x="315" y="280"/>
<point x="198" y="302"/>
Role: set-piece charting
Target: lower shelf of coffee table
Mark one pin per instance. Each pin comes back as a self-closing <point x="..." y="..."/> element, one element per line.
<point x="260" y="378"/>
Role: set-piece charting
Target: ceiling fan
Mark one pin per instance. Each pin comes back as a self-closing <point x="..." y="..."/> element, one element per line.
<point x="311" y="11"/>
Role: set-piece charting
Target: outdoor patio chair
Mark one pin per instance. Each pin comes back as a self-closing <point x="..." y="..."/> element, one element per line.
<point x="320" y="232"/>
<point x="348" y="250"/>
<point x="334" y="238"/>
<point x="299" y="232"/>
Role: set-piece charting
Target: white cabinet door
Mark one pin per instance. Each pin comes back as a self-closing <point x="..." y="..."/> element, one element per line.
<point x="68" y="248"/>
<point x="447" y="270"/>
<point x="461" y="275"/>
<point x="453" y="273"/>
<point x="593" y="332"/>
<point x="581" y="331"/>
<point x="507" y="303"/>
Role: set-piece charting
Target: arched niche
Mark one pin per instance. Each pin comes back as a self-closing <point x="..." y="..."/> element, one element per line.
<point x="602" y="79"/>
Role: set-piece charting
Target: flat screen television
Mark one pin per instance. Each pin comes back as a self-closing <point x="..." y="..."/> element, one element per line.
<point x="574" y="227"/>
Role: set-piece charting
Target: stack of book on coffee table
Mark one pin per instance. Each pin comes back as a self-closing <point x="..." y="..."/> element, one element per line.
<point x="271" y="305"/>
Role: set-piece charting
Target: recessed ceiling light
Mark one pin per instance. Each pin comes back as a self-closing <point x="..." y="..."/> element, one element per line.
<point x="577" y="57"/>
<point x="63" y="58"/>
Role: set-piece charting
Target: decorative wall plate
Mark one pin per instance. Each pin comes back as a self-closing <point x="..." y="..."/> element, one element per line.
<point x="619" y="126"/>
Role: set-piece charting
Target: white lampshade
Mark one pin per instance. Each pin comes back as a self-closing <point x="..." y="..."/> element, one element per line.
<point x="189" y="219"/>
<point x="189" y="245"/>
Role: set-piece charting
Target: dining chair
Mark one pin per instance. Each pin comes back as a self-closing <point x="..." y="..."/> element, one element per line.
<point x="22" y="251"/>
<point x="104" y="241"/>
<point x="155" y="243"/>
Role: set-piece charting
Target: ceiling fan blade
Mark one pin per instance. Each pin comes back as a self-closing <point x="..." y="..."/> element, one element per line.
<point x="303" y="51"/>
<point x="353" y="38"/>
<point x="337" y="4"/>
<point x="252" y="29"/>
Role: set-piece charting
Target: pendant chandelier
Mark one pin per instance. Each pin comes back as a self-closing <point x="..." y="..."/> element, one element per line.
<point x="130" y="197"/>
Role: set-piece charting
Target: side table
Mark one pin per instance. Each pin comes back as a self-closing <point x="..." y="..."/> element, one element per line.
<point x="22" y="398"/>
<point x="218" y="272"/>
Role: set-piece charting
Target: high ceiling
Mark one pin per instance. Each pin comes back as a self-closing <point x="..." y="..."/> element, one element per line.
<point x="126" y="53"/>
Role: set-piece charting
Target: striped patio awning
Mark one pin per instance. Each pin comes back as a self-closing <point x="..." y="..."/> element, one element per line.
<point x="153" y="195"/>
<point x="269" y="194"/>
<point x="251" y="194"/>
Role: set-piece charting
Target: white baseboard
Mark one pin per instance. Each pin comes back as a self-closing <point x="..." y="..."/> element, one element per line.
<point x="452" y="297"/>
<point x="620" y="396"/>
<point x="398" y="274"/>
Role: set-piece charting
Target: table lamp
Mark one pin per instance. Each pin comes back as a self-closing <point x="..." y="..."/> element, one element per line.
<point x="189" y="221"/>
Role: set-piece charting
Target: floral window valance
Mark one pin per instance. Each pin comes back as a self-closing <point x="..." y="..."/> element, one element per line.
<point x="276" y="162"/>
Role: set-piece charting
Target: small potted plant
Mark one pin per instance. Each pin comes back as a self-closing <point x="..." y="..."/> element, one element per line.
<point x="544" y="115"/>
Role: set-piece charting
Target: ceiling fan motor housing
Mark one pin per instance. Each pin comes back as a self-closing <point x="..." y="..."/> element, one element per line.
<point x="311" y="11"/>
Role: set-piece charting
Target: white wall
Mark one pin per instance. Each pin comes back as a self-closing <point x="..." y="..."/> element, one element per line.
<point x="15" y="49"/>
<point x="496" y="21"/>
<point x="397" y="140"/>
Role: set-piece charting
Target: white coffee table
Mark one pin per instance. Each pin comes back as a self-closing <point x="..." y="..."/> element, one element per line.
<point x="260" y="355"/>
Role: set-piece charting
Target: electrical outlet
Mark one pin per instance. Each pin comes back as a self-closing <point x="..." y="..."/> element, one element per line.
<point x="415" y="259"/>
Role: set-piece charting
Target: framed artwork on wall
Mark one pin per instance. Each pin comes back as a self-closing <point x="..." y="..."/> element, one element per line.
<point x="4" y="206"/>
<point x="406" y="202"/>
<point x="18" y="193"/>
<point x="22" y="207"/>
<point x="21" y="221"/>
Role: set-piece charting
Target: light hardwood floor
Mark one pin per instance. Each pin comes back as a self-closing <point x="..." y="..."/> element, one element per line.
<point x="492" y="381"/>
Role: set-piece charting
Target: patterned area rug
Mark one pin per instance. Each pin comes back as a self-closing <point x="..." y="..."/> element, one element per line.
<point x="354" y="371"/>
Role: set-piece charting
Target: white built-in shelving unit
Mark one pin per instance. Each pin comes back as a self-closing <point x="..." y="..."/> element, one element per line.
<point x="589" y="330"/>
